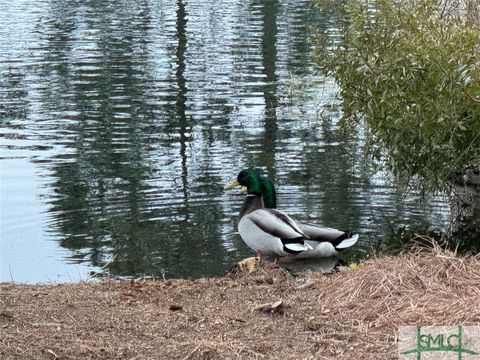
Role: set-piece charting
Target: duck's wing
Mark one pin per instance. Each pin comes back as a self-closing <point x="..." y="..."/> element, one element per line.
<point x="280" y="225"/>
<point x="339" y="239"/>
<point x="276" y="223"/>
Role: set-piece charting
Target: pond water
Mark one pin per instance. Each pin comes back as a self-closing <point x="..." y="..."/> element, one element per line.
<point x="120" y="122"/>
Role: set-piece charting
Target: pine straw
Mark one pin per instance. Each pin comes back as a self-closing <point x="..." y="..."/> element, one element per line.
<point x="350" y="314"/>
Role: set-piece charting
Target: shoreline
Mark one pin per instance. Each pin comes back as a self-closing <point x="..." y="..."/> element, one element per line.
<point x="267" y="314"/>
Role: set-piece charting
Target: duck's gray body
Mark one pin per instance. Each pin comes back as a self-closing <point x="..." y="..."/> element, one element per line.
<point x="273" y="233"/>
<point x="269" y="231"/>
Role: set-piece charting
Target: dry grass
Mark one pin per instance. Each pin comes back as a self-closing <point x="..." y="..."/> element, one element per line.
<point x="352" y="314"/>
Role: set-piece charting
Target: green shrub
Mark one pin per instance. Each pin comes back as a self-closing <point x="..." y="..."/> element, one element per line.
<point x="411" y="73"/>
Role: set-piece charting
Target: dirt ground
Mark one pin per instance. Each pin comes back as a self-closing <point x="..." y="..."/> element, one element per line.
<point x="267" y="314"/>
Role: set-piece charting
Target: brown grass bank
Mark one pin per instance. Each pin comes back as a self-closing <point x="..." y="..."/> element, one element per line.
<point x="352" y="314"/>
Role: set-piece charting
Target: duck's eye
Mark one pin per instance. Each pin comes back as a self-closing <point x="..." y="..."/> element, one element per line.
<point x="241" y="176"/>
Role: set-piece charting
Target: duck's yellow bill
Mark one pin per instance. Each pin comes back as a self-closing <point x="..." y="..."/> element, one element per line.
<point x="232" y="185"/>
<point x="243" y="189"/>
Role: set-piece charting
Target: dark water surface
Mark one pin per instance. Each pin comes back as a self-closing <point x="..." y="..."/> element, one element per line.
<point x="120" y="122"/>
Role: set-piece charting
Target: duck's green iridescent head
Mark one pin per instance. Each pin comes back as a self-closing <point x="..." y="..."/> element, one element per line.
<point x="248" y="178"/>
<point x="268" y="191"/>
<point x="256" y="184"/>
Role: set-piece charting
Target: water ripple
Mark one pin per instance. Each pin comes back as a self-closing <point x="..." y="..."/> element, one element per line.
<point x="122" y="121"/>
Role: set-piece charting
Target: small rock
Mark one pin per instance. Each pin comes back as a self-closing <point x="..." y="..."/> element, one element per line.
<point x="276" y="308"/>
<point x="175" y="307"/>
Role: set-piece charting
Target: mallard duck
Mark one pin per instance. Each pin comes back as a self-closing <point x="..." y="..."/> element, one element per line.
<point x="269" y="232"/>
<point x="317" y="241"/>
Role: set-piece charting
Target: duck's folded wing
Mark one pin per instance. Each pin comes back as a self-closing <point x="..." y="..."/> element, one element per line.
<point x="276" y="223"/>
<point x="321" y="233"/>
<point x="338" y="238"/>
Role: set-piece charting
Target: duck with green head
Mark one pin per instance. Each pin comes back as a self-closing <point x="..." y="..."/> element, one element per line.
<point x="267" y="231"/>
<point x="317" y="241"/>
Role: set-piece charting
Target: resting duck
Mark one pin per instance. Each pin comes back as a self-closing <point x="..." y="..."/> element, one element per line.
<point x="272" y="232"/>
<point x="269" y="232"/>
